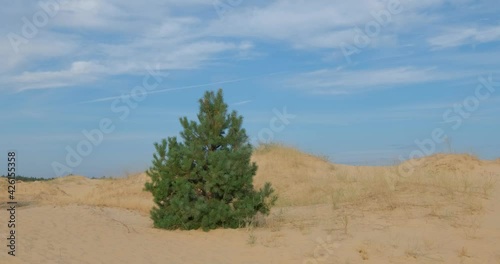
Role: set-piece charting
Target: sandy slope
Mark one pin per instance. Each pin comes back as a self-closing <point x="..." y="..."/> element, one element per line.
<point x="446" y="212"/>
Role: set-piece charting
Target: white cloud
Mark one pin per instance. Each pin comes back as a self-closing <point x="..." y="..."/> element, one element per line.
<point x="120" y="37"/>
<point x="78" y="72"/>
<point x="303" y="24"/>
<point x="455" y="37"/>
<point x="46" y="47"/>
<point x="322" y="24"/>
<point x="190" y="52"/>
<point x="340" y="81"/>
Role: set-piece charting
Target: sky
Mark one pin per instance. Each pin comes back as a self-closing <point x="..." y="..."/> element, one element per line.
<point x="87" y="86"/>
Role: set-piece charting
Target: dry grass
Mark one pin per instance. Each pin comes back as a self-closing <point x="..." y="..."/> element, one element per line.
<point x="405" y="218"/>
<point x="445" y="184"/>
<point x="120" y="193"/>
<point x="124" y="193"/>
<point x="299" y="179"/>
<point x="463" y="253"/>
<point x="424" y="250"/>
<point x="452" y="188"/>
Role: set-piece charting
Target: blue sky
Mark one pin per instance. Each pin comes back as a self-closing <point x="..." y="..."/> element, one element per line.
<point x="361" y="81"/>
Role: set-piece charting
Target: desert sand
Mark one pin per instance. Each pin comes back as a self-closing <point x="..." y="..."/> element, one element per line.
<point x="446" y="211"/>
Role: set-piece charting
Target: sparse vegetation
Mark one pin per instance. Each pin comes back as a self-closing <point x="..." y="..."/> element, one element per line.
<point x="250" y="224"/>
<point x="463" y="253"/>
<point x="372" y="212"/>
<point x="345" y="222"/>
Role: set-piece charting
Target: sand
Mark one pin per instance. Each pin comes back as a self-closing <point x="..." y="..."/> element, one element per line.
<point x="446" y="212"/>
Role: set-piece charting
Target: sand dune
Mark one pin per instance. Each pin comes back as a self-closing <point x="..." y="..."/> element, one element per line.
<point x="446" y="211"/>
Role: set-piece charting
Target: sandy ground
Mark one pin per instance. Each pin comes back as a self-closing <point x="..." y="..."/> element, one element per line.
<point x="447" y="211"/>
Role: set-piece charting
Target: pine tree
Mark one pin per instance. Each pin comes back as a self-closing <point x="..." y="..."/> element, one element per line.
<point x="206" y="181"/>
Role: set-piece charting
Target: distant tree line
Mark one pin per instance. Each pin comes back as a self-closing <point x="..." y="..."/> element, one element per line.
<point x="29" y="179"/>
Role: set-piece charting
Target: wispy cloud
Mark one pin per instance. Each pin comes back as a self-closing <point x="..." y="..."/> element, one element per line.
<point x="341" y="82"/>
<point x="78" y="72"/>
<point x="119" y="44"/>
<point x="191" y="40"/>
<point x="184" y="56"/>
<point x="104" y="99"/>
<point x="455" y="37"/>
<point x="242" y="102"/>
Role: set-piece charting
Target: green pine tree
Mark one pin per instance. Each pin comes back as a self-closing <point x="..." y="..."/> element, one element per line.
<point x="206" y="181"/>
